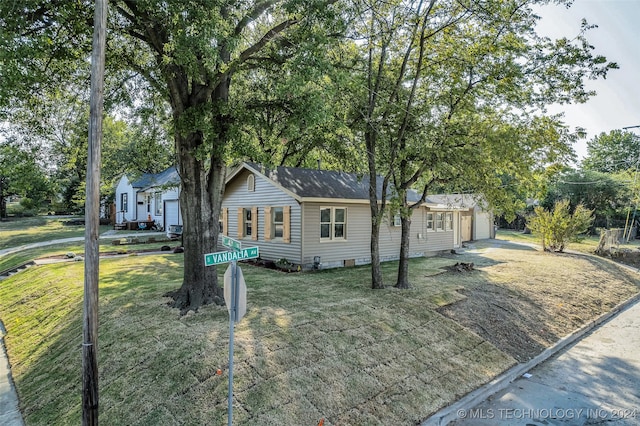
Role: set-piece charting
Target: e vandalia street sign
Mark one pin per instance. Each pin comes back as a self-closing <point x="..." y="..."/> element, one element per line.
<point x="219" y="257"/>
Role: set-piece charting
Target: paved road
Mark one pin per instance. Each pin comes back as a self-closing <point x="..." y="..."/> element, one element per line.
<point x="594" y="382"/>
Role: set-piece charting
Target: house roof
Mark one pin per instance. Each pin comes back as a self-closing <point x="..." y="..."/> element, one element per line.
<point x="314" y="184"/>
<point x="169" y="177"/>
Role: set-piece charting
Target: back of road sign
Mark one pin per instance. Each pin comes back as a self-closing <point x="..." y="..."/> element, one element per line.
<point x="241" y="294"/>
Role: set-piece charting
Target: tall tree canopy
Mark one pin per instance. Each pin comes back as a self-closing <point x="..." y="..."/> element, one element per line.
<point x="455" y="91"/>
<point x="612" y="152"/>
<point x="441" y="91"/>
<point x="608" y="195"/>
<point x="190" y="52"/>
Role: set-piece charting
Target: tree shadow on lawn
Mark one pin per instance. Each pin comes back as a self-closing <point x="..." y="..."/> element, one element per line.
<point x="323" y="344"/>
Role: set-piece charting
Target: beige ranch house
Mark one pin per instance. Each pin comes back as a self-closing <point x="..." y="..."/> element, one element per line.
<point x="321" y="218"/>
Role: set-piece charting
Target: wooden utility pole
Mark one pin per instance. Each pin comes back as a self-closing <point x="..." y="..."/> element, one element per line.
<point x="92" y="222"/>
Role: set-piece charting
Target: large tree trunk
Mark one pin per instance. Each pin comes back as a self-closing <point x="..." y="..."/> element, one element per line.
<point x="403" y="264"/>
<point x="202" y="189"/>
<point x="200" y="203"/>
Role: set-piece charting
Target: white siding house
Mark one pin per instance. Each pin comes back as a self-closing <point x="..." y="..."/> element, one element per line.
<point x="476" y="219"/>
<point x="153" y="199"/>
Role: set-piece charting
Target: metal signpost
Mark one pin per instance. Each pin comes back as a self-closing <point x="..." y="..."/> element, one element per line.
<point x="235" y="294"/>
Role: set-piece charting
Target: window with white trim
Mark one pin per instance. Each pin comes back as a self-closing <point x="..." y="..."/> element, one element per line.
<point x="397" y="220"/>
<point x="430" y="223"/>
<point x="158" y="202"/>
<point x="124" y="202"/>
<point x="448" y="221"/>
<point x="248" y="223"/>
<point x="251" y="183"/>
<point x="439" y="221"/>
<point x="333" y="223"/>
<point x="277" y="222"/>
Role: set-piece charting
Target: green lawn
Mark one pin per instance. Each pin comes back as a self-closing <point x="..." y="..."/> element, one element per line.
<point x="19" y="231"/>
<point x="312" y="345"/>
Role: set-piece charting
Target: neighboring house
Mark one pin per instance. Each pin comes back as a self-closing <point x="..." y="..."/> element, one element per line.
<point x="476" y="219"/>
<point x="153" y="198"/>
<point x="320" y="217"/>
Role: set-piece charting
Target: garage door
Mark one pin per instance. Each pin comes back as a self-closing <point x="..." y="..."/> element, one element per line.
<point x="172" y="213"/>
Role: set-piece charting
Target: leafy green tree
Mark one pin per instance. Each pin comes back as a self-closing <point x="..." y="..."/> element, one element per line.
<point x="605" y="194"/>
<point x="295" y="118"/>
<point x="56" y="122"/>
<point x="612" y="152"/>
<point x="189" y="52"/>
<point x="560" y="226"/>
<point x="455" y="94"/>
<point x="21" y="175"/>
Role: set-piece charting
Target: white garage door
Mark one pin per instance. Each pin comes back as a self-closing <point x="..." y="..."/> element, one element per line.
<point x="172" y="213"/>
<point x="483" y="225"/>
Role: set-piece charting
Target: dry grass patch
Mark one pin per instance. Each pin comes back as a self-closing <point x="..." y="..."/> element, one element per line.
<point x="314" y="345"/>
<point x="533" y="298"/>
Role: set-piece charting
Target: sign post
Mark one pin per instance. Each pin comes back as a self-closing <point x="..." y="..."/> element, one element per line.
<point x="235" y="295"/>
<point x="231" y="306"/>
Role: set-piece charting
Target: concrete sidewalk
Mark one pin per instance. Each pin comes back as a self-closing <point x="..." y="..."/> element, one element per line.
<point x="9" y="409"/>
<point x="594" y="381"/>
<point x="109" y="234"/>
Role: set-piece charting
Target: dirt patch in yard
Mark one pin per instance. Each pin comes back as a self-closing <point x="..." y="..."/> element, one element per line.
<point x="499" y="316"/>
<point x="529" y="307"/>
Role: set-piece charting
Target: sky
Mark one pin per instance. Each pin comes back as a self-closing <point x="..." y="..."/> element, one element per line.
<point x="617" y="103"/>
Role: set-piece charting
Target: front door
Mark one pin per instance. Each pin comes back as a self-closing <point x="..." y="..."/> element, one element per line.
<point x="466" y="223"/>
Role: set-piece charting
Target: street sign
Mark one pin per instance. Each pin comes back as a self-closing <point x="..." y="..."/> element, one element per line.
<point x="229" y="256"/>
<point x="240" y="293"/>
<point x="231" y="243"/>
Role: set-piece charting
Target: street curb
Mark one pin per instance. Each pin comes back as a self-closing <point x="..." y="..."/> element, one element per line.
<point x="450" y="413"/>
<point x="10" y="403"/>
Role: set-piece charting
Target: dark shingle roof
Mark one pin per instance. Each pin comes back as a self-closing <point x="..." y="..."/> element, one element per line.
<point x="314" y="183"/>
<point x="168" y="177"/>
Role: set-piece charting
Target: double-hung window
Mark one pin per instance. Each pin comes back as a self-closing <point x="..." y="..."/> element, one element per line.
<point x="248" y="223"/>
<point x="333" y="223"/>
<point x="124" y="202"/>
<point x="430" y="223"/>
<point x="277" y="225"/>
<point x="158" y="202"/>
<point x="440" y="221"/>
